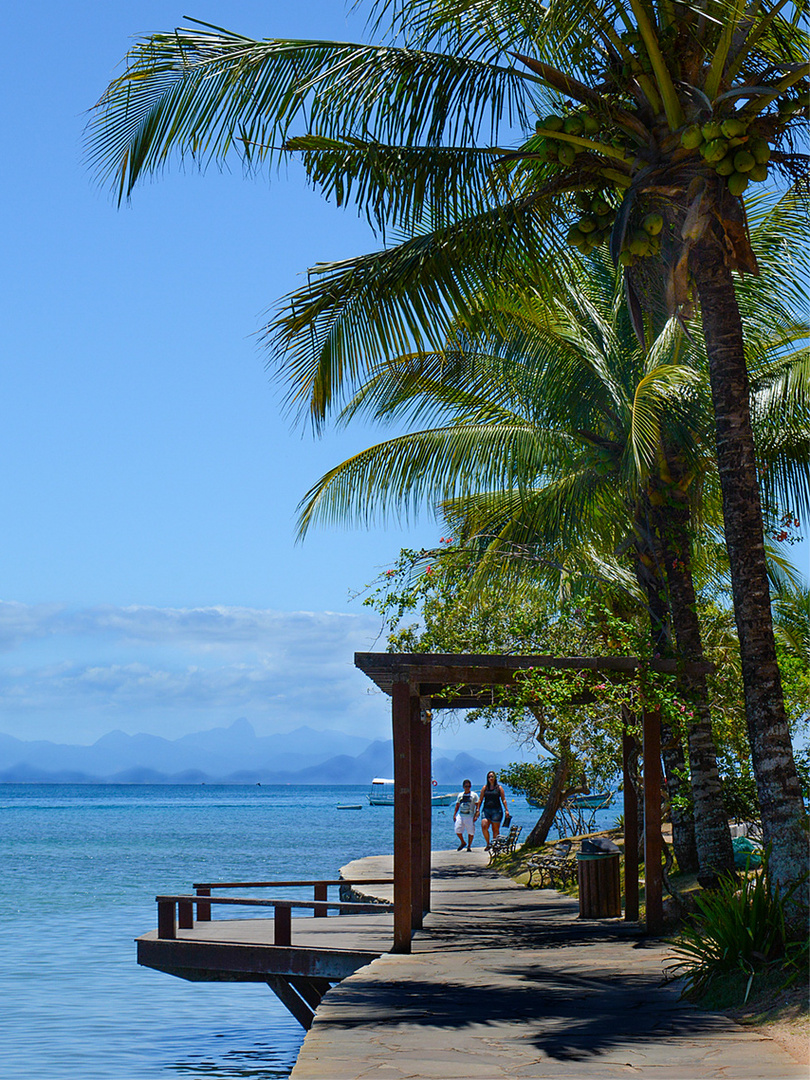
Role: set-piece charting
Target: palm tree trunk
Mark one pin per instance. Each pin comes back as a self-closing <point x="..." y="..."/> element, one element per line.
<point x="712" y="833"/>
<point x="675" y="769"/>
<point x="771" y="751"/>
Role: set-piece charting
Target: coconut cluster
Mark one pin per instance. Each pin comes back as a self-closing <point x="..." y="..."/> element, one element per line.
<point x="578" y="122"/>
<point x="732" y="149"/>
<point x="594" y="224"/>
<point x="643" y="240"/>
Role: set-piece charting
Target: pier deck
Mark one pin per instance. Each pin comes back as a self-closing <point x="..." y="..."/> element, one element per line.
<point x="505" y="982"/>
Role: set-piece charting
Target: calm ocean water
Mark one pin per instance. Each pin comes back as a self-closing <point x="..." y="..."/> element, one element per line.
<point x="81" y="867"/>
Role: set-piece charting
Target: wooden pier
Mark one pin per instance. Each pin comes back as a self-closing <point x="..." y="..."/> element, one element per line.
<point x="298" y="958"/>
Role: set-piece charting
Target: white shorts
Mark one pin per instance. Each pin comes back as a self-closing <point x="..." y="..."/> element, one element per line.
<point x="465" y="824"/>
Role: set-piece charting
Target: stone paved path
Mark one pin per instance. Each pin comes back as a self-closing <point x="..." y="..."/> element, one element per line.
<point x="508" y="982"/>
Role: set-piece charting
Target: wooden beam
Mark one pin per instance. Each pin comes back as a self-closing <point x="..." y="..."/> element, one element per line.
<point x="432" y="671"/>
<point x="311" y="990"/>
<point x="630" y="826"/>
<point x="403" y="864"/>
<point x="653" y="870"/>
<point x="291" y="1000"/>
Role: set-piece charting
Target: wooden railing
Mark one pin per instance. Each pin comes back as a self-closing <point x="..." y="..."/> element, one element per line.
<point x="177" y="912"/>
<point x="320" y="887"/>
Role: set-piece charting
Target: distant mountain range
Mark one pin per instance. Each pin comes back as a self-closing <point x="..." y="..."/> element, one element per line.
<point x="226" y="755"/>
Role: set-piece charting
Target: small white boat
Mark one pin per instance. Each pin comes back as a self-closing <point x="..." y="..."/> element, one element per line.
<point x="382" y="794"/>
<point x="599" y="801"/>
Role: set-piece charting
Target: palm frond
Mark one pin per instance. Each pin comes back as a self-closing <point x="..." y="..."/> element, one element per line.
<point x="356" y="313"/>
<point x="402" y="186"/>
<point x="207" y="93"/>
<point x="402" y="475"/>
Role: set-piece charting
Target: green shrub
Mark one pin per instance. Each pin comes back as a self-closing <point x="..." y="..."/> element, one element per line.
<point x="743" y="929"/>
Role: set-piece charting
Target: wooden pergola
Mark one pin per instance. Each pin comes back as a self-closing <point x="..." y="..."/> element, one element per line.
<point x="420" y="682"/>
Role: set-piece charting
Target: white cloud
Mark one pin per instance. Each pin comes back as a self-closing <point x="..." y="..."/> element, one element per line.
<point x="174" y="670"/>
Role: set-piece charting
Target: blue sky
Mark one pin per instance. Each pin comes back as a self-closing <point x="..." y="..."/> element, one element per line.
<point x="149" y="574"/>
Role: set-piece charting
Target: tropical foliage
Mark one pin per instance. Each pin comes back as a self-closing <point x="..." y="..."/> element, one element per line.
<point x="745" y="930"/>
<point x="489" y="136"/>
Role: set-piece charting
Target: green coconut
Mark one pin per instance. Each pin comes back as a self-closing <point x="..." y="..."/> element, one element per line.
<point x="758" y="173"/>
<point x="575" y="237"/>
<point x="714" y="150"/>
<point x="653" y="224"/>
<point x="737" y="183"/>
<point x="600" y="205"/>
<point x="691" y="137"/>
<point x="713" y="129"/>
<point x="743" y="161"/>
<point x="587" y="224"/>
<point x="590" y="124"/>
<point x="639" y="242"/>
<point x="573" y="125"/>
<point x="760" y="149"/>
<point x="553" y="123"/>
<point x="583" y="200"/>
<point x="566" y="154"/>
<point x="732" y="128"/>
<point x="725" y="167"/>
<point x="626" y="257"/>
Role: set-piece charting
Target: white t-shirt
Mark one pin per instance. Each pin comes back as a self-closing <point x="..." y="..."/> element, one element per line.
<point x="468" y="801"/>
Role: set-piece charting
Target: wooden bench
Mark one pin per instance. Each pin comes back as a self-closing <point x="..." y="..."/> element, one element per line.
<point x="505" y="845"/>
<point x="554" y="868"/>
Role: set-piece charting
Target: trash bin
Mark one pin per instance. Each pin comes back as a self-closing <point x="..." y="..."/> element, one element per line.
<point x="598" y="879"/>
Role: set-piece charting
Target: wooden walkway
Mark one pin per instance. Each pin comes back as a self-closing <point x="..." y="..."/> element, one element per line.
<point x="504" y="982"/>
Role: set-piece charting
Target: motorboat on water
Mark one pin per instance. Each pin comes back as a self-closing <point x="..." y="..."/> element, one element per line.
<point x="382" y="794"/>
<point x="598" y="801"/>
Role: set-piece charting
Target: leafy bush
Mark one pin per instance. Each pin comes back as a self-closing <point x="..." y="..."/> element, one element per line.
<point x="742" y="928"/>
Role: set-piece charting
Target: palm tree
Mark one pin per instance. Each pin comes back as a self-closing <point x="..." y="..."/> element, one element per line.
<point x="561" y="436"/>
<point x="656" y="123"/>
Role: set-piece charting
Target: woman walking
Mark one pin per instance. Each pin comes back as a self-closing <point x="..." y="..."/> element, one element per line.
<point x="492" y="801"/>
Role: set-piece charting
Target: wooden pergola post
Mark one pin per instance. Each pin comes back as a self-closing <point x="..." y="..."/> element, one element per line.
<point x="427" y="807"/>
<point x="630" y="825"/>
<point x="403" y="806"/>
<point x="653" y="871"/>
<point x="419" y="794"/>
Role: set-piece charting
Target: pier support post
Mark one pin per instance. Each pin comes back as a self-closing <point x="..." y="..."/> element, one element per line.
<point x="321" y="893"/>
<point x="653" y="871"/>
<point x="167" y="919"/>
<point x="403" y="862"/>
<point x="203" y="910"/>
<point x="630" y="824"/>
<point x="282" y="925"/>
<point x="185" y="914"/>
